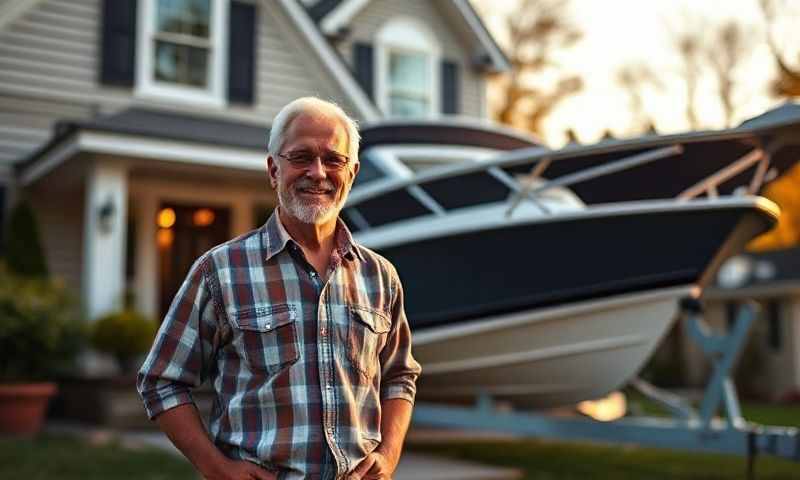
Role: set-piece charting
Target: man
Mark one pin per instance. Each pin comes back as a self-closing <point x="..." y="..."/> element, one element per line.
<point x="300" y="331"/>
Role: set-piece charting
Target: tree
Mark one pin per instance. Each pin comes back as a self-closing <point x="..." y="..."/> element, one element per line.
<point x="537" y="30"/>
<point x="634" y="78"/>
<point x="787" y="82"/>
<point x="24" y="253"/>
<point x="688" y="43"/>
<point x="731" y="44"/>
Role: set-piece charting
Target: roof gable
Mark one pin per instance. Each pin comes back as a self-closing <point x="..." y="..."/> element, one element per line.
<point x="333" y="15"/>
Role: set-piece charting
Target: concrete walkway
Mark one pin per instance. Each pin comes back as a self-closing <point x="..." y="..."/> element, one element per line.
<point x="413" y="465"/>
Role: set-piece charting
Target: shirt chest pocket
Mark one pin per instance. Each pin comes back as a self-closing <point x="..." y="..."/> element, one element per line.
<point x="267" y="337"/>
<point x="366" y="337"/>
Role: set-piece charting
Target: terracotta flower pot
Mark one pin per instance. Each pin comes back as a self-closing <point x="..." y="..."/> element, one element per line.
<point x="23" y="405"/>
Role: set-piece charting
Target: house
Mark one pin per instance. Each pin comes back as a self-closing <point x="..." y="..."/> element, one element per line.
<point x="137" y="128"/>
<point x="770" y="363"/>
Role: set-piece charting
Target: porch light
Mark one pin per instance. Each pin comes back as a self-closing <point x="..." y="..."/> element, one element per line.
<point x="164" y="238"/>
<point x="203" y="217"/>
<point x="105" y="215"/>
<point x="166" y="218"/>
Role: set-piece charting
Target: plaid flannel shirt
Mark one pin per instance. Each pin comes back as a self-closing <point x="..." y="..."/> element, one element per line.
<point x="298" y="366"/>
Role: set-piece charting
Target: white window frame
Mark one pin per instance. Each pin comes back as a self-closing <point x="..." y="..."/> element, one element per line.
<point x="148" y="87"/>
<point x="405" y="35"/>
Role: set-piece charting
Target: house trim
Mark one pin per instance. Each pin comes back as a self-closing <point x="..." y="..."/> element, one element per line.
<point x="142" y="147"/>
<point x="331" y="60"/>
<point x="347" y="10"/>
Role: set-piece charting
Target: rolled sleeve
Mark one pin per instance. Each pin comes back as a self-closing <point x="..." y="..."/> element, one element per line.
<point x="399" y="369"/>
<point x="182" y="352"/>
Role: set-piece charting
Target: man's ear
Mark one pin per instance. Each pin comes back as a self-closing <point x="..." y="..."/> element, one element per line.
<point x="272" y="171"/>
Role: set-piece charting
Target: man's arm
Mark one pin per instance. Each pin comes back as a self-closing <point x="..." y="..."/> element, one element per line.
<point x="184" y="428"/>
<point x="382" y="462"/>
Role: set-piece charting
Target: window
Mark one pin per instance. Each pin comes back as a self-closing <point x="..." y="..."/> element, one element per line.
<point x="409" y="85"/>
<point x="182" y="50"/>
<point x="407" y="75"/>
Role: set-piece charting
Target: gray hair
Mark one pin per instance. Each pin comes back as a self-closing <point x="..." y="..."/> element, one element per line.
<point x="277" y="134"/>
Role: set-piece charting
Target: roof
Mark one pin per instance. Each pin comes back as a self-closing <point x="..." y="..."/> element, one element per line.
<point x="333" y="15"/>
<point x="170" y="125"/>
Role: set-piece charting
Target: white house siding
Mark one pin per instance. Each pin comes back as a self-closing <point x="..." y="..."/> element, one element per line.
<point x="368" y="22"/>
<point x="60" y="221"/>
<point x="287" y="66"/>
<point x="49" y="60"/>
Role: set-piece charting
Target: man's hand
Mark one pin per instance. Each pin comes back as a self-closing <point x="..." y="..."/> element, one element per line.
<point x="375" y="467"/>
<point x="239" y="470"/>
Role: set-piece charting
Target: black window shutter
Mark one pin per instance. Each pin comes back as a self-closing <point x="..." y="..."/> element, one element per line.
<point x="363" y="67"/>
<point x="451" y="91"/>
<point x="118" y="42"/>
<point x="242" y="53"/>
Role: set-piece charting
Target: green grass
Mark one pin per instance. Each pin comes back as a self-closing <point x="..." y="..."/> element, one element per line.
<point x="763" y="413"/>
<point x="566" y="461"/>
<point x="67" y="458"/>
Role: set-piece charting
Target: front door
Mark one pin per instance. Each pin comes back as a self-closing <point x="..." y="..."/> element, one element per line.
<point x="185" y="232"/>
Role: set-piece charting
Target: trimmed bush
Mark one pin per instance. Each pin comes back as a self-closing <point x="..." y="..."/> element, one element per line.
<point x="41" y="328"/>
<point x="126" y="335"/>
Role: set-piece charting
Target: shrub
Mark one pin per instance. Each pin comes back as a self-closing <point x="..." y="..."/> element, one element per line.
<point x="41" y="328"/>
<point x="24" y="252"/>
<point x="124" y="334"/>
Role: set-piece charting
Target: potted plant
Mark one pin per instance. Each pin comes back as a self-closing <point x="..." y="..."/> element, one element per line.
<point x="41" y="334"/>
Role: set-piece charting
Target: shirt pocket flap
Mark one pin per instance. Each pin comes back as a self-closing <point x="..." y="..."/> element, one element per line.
<point x="265" y="319"/>
<point x="376" y="320"/>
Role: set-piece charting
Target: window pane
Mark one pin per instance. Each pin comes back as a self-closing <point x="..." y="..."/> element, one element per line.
<point x="407" y="107"/>
<point x="181" y="64"/>
<point x="187" y="17"/>
<point x="408" y="72"/>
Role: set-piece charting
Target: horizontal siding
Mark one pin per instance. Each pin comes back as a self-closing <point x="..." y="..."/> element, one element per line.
<point x="368" y="22"/>
<point x="47" y="73"/>
<point x="49" y="59"/>
<point x="287" y="66"/>
<point x="60" y="219"/>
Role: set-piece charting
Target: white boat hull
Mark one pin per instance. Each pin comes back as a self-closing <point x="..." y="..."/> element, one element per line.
<point x="547" y="357"/>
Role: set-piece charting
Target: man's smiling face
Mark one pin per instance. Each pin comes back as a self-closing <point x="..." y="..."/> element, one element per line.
<point x="315" y="191"/>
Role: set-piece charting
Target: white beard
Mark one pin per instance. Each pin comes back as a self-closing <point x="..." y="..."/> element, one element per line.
<point x="309" y="212"/>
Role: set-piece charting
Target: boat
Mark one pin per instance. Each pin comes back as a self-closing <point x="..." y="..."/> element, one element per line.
<point x="537" y="276"/>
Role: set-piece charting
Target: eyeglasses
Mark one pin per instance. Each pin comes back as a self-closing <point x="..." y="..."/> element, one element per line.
<point x="304" y="159"/>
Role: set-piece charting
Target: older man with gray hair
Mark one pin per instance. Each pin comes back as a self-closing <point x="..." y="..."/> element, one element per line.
<point x="300" y="331"/>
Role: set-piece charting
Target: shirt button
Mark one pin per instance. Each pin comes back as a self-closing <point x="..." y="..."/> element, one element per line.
<point x="313" y="274"/>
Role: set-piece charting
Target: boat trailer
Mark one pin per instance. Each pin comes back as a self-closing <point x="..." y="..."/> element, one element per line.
<point x="687" y="429"/>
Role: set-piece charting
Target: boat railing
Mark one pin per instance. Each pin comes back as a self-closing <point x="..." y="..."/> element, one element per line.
<point x="532" y="185"/>
<point x="710" y="184"/>
<point x="530" y="191"/>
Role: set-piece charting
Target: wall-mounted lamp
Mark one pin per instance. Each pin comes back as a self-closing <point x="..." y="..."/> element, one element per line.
<point x="105" y="215"/>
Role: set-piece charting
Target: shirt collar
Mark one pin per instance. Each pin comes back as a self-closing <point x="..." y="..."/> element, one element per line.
<point x="275" y="238"/>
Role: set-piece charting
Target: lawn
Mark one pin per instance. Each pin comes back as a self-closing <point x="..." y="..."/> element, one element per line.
<point x="567" y="461"/>
<point x="563" y="461"/>
<point x="67" y="458"/>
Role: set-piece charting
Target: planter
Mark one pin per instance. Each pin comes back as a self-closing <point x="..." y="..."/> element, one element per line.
<point x="23" y="405"/>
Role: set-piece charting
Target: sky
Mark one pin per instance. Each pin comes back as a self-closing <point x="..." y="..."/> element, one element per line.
<point x="620" y="32"/>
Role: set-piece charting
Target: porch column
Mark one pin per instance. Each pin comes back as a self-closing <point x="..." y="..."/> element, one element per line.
<point x="147" y="281"/>
<point x="105" y="230"/>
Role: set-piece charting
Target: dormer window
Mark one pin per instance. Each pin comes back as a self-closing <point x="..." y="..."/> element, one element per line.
<point x="182" y="50"/>
<point x="407" y="75"/>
